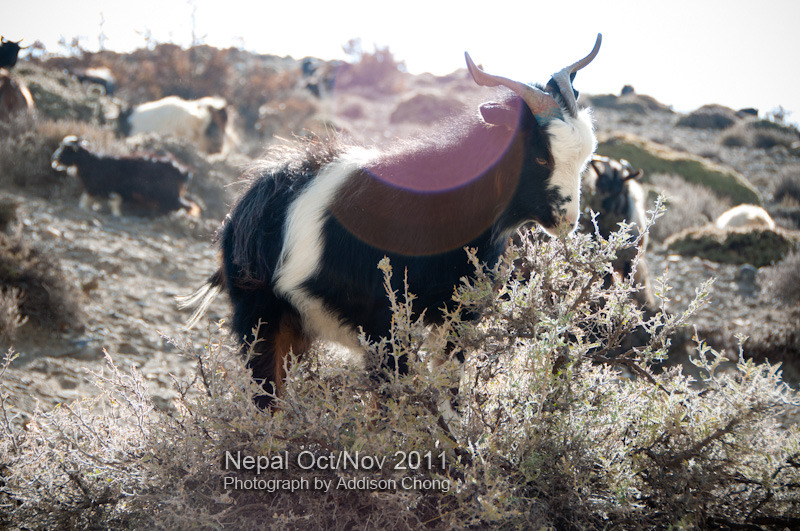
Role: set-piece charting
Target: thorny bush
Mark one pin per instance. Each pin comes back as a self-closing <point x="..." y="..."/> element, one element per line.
<point x="555" y="431"/>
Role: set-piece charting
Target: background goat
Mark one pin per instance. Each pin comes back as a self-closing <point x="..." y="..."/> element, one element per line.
<point x="99" y="75"/>
<point x="14" y="96"/>
<point x="203" y="121"/>
<point x="9" y="51"/>
<point x="611" y="190"/>
<point x="744" y="216"/>
<point x="301" y="246"/>
<point x="149" y="185"/>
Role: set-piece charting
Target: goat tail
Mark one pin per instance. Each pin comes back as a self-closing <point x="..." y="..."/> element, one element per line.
<point x="202" y="298"/>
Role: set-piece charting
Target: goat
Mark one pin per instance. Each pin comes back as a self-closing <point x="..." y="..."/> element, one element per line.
<point x="203" y="121"/>
<point x="14" y="96"/>
<point x="98" y="75"/>
<point x="744" y="216"/>
<point x="149" y="185"/>
<point x="610" y="189"/>
<point x="319" y="76"/>
<point x="300" y="248"/>
<point x="9" y="52"/>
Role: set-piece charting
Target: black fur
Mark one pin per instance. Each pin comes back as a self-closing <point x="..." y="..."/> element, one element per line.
<point x="9" y="51"/>
<point x="149" y="185"/>
<point x="384" y="210"/>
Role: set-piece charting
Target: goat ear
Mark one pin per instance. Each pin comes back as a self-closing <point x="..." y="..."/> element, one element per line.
<point x="595" y="167"/>
<point x="498" y="114"/>
<point x="634" y="176"/>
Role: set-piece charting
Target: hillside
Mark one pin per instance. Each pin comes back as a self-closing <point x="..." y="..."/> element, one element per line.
<point x="130" y="269"/>
<point x="124" y="273"/>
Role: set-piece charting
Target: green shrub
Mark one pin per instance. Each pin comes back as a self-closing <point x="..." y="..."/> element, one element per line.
<point x="757" y="246"/>
<point x="551" y="435"/>
<point x="654" y="159"/>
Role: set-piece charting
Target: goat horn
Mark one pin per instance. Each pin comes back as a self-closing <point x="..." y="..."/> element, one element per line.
<point x="564" y="81"/>
<point x="540" y="102"/>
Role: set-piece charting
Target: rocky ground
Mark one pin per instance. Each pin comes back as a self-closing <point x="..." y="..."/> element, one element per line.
<point x="130" y="269"/>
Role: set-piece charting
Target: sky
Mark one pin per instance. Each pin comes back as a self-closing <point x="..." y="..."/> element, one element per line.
<point x="685" y="53"/>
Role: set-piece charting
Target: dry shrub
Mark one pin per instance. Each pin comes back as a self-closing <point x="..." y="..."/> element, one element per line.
<point x="60" y="96"/>
<point x="426" y="108"/>
<point x="8" y="212"/>
<point x="787" y="189"/>
<point x="46" y="295"/>
<point x="378" y="71"/>
<point x="768" y="134"/>
<point x="734" y="139"/>
<point x="550" y="435"/>
<point x="763" y="134"/>
<point x="10" y="317"/>
<point x="710" y="117"/>
<point x="260" y="85"/>
<point x="27" y="146"/>
<point x="286" y="116"/>
<point x="166" y="69"/>
<point x="244" y="79"/>
<point x="689" y="205"/>
<point x="782" y="281"/>
<point x="637" y="104"/>
<point x="777" y="344"/>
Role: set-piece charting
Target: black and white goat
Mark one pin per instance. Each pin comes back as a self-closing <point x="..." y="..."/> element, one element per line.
<point x="301" y="246"/>
<point x="98" y="75"/>
<point x="148" y="185"/>
<point x="611" y="190"/>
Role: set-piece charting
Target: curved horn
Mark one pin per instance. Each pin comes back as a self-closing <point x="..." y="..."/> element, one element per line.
<point x="564" y="81"/>
<point x="540" y="102"/>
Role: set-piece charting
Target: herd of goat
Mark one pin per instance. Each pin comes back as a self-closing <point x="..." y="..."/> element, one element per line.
<point x="299" y="248"/>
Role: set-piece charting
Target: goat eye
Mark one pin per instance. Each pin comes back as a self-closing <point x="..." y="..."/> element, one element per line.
<point x="541" y="162"/>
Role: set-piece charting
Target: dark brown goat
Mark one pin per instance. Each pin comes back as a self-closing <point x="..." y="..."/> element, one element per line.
<point x="148" y="185"/>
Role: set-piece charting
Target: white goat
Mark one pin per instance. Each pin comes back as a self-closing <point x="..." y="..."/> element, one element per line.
<point x="203" y="121"/>
<point x="744" y="216"/>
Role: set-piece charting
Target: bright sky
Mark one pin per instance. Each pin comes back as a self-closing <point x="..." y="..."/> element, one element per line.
<point x="685" y="53"/>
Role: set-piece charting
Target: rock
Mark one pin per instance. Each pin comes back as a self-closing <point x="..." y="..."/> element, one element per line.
<point x="746" y="277"/>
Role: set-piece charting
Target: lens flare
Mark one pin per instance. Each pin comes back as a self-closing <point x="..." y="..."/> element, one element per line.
<point x="435" y="196"/>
